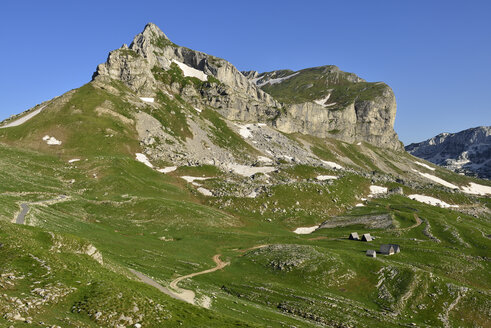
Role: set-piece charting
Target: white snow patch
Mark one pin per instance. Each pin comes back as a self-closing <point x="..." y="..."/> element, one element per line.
<point x="288" y="158"/>
<point x="192" y="179"/>
<point x="205" y="191"/>
<point x="278" y="80"/>
<point x="147" y="99"/>
<point x="190" y="71"/>
<point x="322" y="101"/>
<point x="424" y="165"/>
<point x="359" y="205"/>
<point x="74" y="160"/>
<point x="143" y="159"/>
<point x="197" y="109"/>
<point x="375" y="190"/>
<point x="332" y="165"/>
<point x="358" y="144"/>
<point x="476" y="189"/>
<point x="430" y="200"/>
<point x="247" y="171"/>
<point x="23" y="119"/>
<point x="261" y="124"/>
<point x="326" y="177"/>
<point x="168" y="169"/>
<point x="264" y="159"/>
<point x="305" y="230"/>
<point x="245" y="131"/>
<point x="51" y="140"/>
<point x="437" y="180"/>
<point x="253" y="194"/>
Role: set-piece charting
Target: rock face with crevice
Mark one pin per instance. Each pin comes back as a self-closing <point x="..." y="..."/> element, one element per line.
<point x="322" y="101"/>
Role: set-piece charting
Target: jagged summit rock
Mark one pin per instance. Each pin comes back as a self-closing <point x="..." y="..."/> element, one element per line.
<point x="467" y="151"/>
<point x="152" y="31"/>
<point x="321" y="101"/>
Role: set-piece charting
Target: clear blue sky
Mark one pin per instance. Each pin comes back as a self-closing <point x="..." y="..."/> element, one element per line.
<point x="436" y="55"/>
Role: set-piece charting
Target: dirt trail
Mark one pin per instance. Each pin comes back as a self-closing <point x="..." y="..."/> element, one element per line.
<point x="189" y="295"/>
<point x="153" y="283"/>
<point x="251" y="248"/>
<point x="20" y="218"/>
<point x="417" y="224"/>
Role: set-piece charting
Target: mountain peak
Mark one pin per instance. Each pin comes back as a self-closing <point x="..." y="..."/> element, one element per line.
<point x="152" y="31"/>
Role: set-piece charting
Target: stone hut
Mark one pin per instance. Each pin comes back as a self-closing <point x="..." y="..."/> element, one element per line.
<point x="366" y="237"/>
<point x="387" y="249"/>
<point x="371" y="253"/>
<point x="397" y="248"/>
<point x="354" y="236"/>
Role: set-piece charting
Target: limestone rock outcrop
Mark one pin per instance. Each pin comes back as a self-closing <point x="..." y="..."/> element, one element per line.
<point x="254" y="97"/>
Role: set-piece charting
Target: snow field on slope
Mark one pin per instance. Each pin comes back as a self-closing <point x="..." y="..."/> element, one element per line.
<point x="305" y="230"/>
<point x="278" y="80"/>
<point x="437" y="180"/>
<point x="332" y="165"/>
<point x="430" y="200"/>
<point x="51" y="140"/>
<point x="23" y="119"/>
<point x="326" y="177"/>
<point x="424" y="165"/>
<point x="142" y="158"/>
<point x="190" y="71"/>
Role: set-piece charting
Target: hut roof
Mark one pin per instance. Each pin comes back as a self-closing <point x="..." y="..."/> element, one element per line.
<point x="354" y="236"/>
<point x="397" y="248"/>
<point x="386" y="249"/>
<point x="366" y="237"/>
<point x="371" y="253"/>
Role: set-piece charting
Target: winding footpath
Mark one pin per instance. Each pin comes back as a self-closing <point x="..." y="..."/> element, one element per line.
<point x="175" y="291"/>
<point x="182" y="294"/>
<point x="417" y="224"/>
<point x="20" y="219"/>
<point x="189" y="295"/>
<point x="153" y="283"/>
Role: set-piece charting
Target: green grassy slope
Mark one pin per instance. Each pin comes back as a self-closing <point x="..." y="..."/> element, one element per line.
<point x="159" y="225"/>
<point x="316" y="83"/>
<point x="129" y="207"/>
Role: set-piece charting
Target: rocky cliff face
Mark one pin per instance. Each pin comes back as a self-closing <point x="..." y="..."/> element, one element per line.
<point x="467" y="151"/>
<point x="327" y="102"/>
<point x="323" y="102"/>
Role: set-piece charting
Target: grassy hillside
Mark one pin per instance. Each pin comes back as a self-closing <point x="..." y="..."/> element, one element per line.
<point x="316" y="83"/>
<point x="300" y="280"/>
<point x="139" y="219"/>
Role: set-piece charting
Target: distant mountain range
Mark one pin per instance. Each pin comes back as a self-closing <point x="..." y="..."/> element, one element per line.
<point x="467" y="151"/>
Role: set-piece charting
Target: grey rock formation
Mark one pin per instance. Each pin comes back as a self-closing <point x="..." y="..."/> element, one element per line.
<point x="361" y="111"/>
<point x="238" y="96"/>
<point x="375" y="120"/>
<point x="374" y="221"/>
<point x="369" y="120"/>
<point x="467" y="151"/>
<point x="235" y="98"/>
